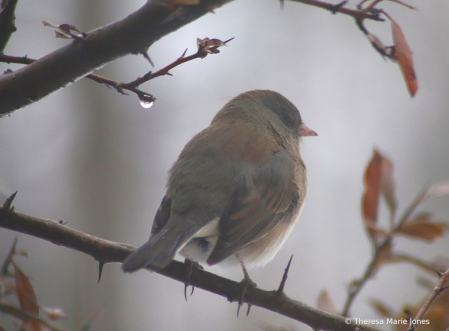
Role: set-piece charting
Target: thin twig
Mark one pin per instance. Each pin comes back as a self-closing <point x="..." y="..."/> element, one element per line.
<point x="357" y="14"/>
<point x="108" y="251"/>
<point x="354" y="290"/>
<point x="120" y="86"/>
<point x="439" y="288"/>
<point x="131" y="35"/>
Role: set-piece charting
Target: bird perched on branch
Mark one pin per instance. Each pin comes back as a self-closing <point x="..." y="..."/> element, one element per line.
<point x="236" y="190"/>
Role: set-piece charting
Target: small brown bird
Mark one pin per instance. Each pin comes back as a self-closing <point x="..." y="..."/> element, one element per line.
<point x="237" y="189"/>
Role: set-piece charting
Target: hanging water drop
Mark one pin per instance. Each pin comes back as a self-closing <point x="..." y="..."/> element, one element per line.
<point x="146" y="100"/>
<point x="146" y="104"/>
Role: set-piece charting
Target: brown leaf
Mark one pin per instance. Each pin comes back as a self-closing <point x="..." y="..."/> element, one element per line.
<point x="25" y="292"/>
<point x="378" y="179"/>
<point x="422" y="230"/>
<point x="404" y="57"/>
<point x="381" y="308"/>
<point x="325" y="302"/>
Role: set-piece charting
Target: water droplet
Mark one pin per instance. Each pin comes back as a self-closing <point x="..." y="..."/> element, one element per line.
<point x="146" y="104"/>
<point x="146" y="100"/>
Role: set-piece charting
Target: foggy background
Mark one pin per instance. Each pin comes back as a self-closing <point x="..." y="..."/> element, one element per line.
<point x="98" y="160"/>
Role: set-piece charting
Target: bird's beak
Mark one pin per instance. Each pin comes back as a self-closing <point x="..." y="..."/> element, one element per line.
<point x="304" y="131"/>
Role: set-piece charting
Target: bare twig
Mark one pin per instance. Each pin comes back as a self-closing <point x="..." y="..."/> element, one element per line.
<point x="131" y="86"/>
<point x="357" y="14"/>
<point x="357" y="285"/>
<point x="129" y="36"/>
<point x="107" y="251"/>
<point x="7" y="21"/>
<point x="439" y="288"/>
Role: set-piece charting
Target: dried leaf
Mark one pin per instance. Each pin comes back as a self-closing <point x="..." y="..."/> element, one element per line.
<point x="55" y="313"/>
<point x="209" y="46"/>
<point x="404" y="57"/>
<point x="422" y="230"/>
<point x="66" y="31"/>
<point x="378" y="179"/>
<point x="325" y="302"/>
<point x="387" y="185"/>
<point x="25" y="292"/>
<point x="381" y="308"/>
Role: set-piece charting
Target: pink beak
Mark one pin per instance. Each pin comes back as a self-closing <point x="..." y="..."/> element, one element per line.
<point x="304" y="131"/>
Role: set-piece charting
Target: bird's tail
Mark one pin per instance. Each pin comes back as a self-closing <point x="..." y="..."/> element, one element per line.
<point x="158" y="252"/>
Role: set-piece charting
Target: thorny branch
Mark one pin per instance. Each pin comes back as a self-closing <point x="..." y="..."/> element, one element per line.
<point x="205" y="47"/>
<point x="105" y="251"/>
<point x="439" y="288"/>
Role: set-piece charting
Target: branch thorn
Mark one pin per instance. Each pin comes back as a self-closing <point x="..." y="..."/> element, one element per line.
<point x="284" y="277"/>
<point x="8" y="202"/>
<point x="100" y="270"/>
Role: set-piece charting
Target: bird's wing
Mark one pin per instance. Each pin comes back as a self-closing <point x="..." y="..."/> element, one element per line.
<point x="162" y="216"/>
<point x="267" y="196"/>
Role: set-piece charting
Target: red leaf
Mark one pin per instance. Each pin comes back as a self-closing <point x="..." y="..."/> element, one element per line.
<point x="25" y="292"/>
<point x="422" y="230"/>
<point x="404" y="57"/>
<point x="378" y="179"/>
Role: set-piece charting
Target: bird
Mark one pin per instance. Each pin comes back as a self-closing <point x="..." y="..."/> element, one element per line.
<point x="236" y="190"/>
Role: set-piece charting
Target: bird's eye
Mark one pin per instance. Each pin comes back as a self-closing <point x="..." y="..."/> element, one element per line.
<point x="286" y="119"/>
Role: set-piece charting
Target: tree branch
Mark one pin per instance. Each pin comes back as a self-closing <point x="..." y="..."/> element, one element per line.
<point x="7" y="21"/>
<point x="357" y="14"/>
<point x="68" y="64"/>
<point x="439" y="288"/>
<point x="203" y="50"/>
<point x="106" y="251"/>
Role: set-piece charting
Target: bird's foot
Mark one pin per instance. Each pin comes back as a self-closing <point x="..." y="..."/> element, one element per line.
<point x="190" y="265"/>
<point x="246" y="284"/>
